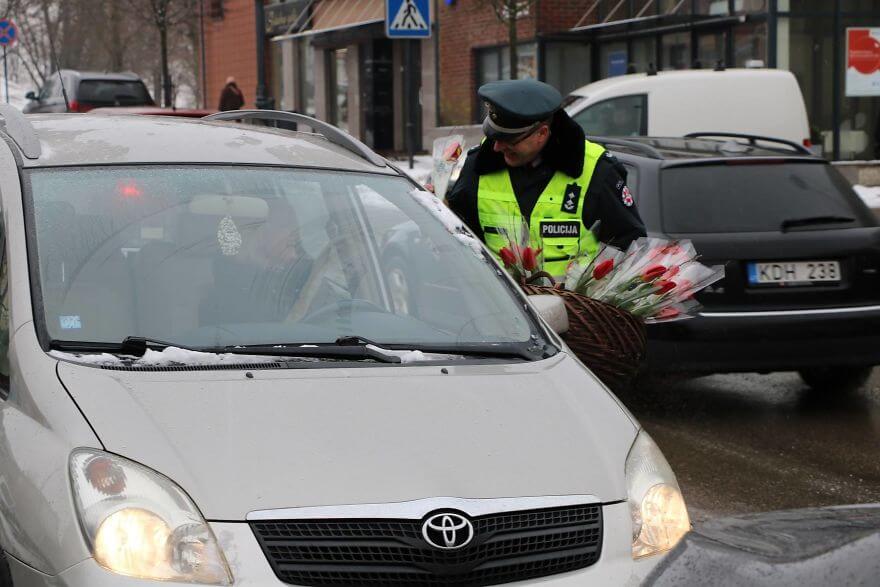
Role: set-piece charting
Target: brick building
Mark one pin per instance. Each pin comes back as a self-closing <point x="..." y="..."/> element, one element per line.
<point x="331" y="59"/>
<point x="474" y="50"/>
<point x="230" y="48"/>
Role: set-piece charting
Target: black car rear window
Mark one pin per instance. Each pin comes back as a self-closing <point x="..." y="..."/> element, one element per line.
<point x="753" y="197"/>
<point x="113" y="93"/>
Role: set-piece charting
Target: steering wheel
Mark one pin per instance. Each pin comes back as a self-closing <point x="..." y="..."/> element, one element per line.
<point x="343" y="306"/>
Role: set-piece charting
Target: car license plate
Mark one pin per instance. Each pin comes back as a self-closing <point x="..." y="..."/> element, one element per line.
<point x="794" y="272"/>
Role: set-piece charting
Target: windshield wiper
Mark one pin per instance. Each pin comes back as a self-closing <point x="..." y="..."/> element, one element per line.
<point x="359" y="347"/>
<point x="131" y="345"/>
<point x="345" y="348"/>
<point x="815" y="220"/>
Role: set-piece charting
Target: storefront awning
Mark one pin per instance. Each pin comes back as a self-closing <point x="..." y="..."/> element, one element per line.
<point x="329" y="16"/>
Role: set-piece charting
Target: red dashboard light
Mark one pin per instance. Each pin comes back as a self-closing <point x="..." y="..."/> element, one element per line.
<point x="129" y="189"/>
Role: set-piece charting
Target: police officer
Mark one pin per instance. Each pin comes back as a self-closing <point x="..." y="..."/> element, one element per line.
<point x="536" y="165"/>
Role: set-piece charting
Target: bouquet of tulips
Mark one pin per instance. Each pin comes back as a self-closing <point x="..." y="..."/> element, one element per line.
<point x="521" y="260"/>
<point x="653" y="279"/>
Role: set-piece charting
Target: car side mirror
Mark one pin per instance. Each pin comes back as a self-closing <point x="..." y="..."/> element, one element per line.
<point x="31" y="96"/>
<point x="552" y="309"/>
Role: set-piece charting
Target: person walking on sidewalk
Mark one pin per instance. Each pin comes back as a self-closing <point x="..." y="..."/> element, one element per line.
<point x="231" y="98"/>
<point x="536" y="165"/>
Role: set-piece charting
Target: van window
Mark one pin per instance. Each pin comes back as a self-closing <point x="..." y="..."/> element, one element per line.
<point x="113" y="93"/>
<point x="754" y="198"/>
<point x="625" y="116"/>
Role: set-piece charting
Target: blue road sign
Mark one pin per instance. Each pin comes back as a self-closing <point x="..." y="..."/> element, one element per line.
<point x="407" y="19"/>
<point x="8" y="32"/>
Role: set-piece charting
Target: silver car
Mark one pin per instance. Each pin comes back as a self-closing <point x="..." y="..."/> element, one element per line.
<point x="211" y="375"/>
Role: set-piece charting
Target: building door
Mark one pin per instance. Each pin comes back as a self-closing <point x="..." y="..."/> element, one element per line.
<point x="377" y="94"/>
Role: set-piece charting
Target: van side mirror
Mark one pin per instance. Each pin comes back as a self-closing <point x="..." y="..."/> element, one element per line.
<point x="31" y="96"/>
<point x="552" y="309"/>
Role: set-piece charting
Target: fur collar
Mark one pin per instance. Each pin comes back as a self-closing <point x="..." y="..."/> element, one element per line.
<point x="564" y="150"/>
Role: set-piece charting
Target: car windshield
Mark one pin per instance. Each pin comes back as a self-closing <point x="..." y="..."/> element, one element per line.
<point x="213" y="257"/>
<point x="113" y="93"/>
<point x="754" y="197"/>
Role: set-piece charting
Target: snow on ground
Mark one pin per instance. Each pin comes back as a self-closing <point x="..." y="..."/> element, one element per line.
<point x="870" y="194"/>
<point x="16" y="93"/>
<point x="421" y="171"/>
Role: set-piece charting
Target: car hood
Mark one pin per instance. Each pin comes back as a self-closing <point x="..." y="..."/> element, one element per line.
<point x="239" y="441"/>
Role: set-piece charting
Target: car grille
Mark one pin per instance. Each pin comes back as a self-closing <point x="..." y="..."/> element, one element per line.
<point x="510" y="546"/>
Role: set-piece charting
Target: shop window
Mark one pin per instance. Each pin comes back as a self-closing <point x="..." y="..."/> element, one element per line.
<point x="494" y="64"/>
<point x="625" y="116"/>
<point x="712" y="7"/>
<point x="676" y="51"/>
<point x="711" y="49"/>
<point x="643" y="54"/>
<point x="668" y="6"/>
<point x="750" y="45"/>
<point x="742" y="6"/>
<point x="567" y="65"/>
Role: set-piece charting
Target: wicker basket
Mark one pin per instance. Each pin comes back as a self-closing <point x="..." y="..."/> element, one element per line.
<point x="608" y="340"/>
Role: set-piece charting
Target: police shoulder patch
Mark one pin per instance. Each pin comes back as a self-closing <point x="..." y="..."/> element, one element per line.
<point x="626" y="197"/>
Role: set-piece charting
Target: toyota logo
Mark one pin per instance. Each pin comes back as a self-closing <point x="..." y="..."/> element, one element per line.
<point x="448" y="531"/>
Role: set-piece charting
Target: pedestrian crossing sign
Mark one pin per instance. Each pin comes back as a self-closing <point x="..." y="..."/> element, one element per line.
<point x="407" y="19"/>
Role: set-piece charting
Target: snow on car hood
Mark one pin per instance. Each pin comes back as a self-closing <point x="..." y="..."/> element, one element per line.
<point x="239" y="441"/>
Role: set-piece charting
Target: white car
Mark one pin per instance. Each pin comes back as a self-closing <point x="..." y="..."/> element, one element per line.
<point x="208" y="377"/>
<point x="763" y="102"/>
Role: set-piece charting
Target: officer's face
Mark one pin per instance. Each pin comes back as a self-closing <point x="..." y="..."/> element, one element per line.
<point x="524" y="151"/>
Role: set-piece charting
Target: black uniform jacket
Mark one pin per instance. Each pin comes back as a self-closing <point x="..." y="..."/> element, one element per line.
<point x="607" y="199"/>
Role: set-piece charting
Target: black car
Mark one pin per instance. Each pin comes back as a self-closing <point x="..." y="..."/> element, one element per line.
<point x="87" y="90"/>
<point x="801" y="253"/>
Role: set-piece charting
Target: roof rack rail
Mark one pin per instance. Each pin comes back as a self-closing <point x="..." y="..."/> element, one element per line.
<point x="20" y="130"/>
<point x="751" y="138"/>
<point x="635" y="145"/>
<point x="330" y="132"/>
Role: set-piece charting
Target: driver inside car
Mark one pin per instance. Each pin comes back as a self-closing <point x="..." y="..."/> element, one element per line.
<point x="261" y="281"/>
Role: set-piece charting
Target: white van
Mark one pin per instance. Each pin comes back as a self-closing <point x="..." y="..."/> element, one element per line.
<point x="764" y="102"/>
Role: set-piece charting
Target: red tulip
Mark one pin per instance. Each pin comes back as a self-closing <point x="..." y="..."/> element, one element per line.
<point x="507" y="257"/>
<point x="653" y="272"/>
<point x="603" y="268"/>
<point x="530" y="258"/>
<point x="664" y="286"/>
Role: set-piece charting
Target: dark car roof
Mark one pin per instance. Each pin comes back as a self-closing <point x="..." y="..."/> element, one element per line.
<point x="682" y="149"/>
<point x="103" y="75"/>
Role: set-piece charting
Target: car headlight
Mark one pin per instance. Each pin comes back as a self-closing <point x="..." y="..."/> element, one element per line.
<point x="659" y="515"/>
<point x="140" y="524"/>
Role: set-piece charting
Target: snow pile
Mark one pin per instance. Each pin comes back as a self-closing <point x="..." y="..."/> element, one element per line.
<point x="414" y="356"/>
<point x="452" y="222"/>
<point x="869" y="194"/>
<point x="167" y="356"/>
<point x="16" y="93"/>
